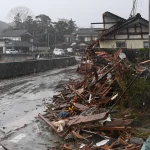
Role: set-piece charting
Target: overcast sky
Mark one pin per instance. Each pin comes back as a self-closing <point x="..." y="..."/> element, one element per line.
<point x="82" y="11"/>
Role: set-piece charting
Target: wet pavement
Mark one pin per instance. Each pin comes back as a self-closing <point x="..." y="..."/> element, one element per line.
<point x="33" y="137"/>
<point x="21" y="99"/>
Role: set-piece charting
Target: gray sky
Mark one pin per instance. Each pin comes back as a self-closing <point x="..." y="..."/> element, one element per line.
<point x="82" y="11"/>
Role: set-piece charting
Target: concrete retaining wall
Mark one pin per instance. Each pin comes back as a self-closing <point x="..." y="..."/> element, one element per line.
<point x="14" y="57"/>
<point x="14" y="69"/>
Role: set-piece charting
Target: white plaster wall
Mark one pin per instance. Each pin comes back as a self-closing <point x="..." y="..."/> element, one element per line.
<point x="107" y="19"/>
<point x="121" y="36"/>
<point x="134" y="44"/>
<point x="4" y="49"/>
<point x="2" y="44"/>
<point x="13" y="38"/>
<point x="145" y="36"/>
<point x="134" y="36"/>
<point x="87" y="39"/>
<point x="131" y="30"/>
<point x="138" y="29"/>
<point x="144" y="29"/>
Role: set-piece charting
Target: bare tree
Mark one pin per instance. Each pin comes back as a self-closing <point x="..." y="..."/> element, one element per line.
<point x="22" y="11"/>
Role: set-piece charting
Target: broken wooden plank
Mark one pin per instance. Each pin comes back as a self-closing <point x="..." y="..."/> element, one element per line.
<point x="122" y="128"/>
<point x="118" y="122"/>
<point x="80" y="106"/>
<point x="77" y="135"/>
<point x="89" y="118"/>
<point x="83" y="98"/>
<point x="62" y="134"/>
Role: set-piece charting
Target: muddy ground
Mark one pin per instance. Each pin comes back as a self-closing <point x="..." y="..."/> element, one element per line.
<point x="21" y="100"/>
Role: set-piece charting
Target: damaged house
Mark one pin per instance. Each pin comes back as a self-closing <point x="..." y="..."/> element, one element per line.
<point x="129" y="33"/>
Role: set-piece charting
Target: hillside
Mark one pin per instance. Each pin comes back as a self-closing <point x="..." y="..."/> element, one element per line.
<point x="3" y="26"/>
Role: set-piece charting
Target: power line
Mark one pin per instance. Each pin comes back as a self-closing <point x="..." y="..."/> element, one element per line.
<point x="141" y="6"/>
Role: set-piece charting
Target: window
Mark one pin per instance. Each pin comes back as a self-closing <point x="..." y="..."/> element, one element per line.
<point x="1" y="49"/>
<point x="146" y="44"/>
<point x="81" y="39"/>
<point x="121" y="44"/>
<point x="95" y="38"/>
<point x="87" y="39"/>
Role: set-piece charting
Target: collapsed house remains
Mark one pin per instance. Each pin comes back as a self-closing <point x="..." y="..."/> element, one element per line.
<point x="83" y="110"/>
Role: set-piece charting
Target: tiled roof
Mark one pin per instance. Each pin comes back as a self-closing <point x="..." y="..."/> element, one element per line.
<point x="87" y="31"/>
<point x="117" y="18"/>
<point x="13" y="33"/>
<point x="129" y="22"/>
<point x="18" y="44"/>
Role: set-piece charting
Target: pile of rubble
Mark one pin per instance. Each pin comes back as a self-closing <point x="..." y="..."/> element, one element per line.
<point x="82" y="112"/>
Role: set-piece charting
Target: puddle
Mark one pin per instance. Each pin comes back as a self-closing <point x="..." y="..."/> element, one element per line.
<point x="18" y="138"/>
<point x="21" y="122"/>
<point x="39" y="95"/>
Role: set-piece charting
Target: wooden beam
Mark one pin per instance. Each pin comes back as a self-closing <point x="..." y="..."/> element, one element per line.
<point x="103" y="22"/>
<point x="132" y="33"/>
<point x="128" y="32"/>
<point x="122" y="128"/>
<point x="125" y="39"/>
<point x="135" y="28"/>
<point x="114" y="36"/>
<point x="141" y="30"/>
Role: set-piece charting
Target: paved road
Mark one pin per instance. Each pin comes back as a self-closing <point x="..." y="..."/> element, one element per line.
<point x="21" y="100"/>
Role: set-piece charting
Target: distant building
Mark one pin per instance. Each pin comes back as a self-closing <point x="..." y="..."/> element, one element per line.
<point x="70" y="38"/>
<point x="20" y="40"/>
<point x="82" y="36"/>
<point x="129" y="33"/>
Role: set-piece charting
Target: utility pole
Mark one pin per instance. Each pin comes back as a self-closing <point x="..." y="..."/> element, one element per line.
<point x="48" y="39"/>
<point x="33" y="41"/>
<point x="54" y="23"/>
<point x="149" y="28"/>
<point x="55" y="38"/>
<point x="133" y="11"/>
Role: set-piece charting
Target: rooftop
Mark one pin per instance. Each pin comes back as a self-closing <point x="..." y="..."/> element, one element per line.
<point x="131" y="22"/>
<point x="14" y="33"/>
<point x="18" y="44"/>
<point x="115" y="17"/>
<point x="88" y="31"/>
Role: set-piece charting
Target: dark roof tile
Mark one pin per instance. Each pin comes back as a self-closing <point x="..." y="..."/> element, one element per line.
<point x="19" y="44"/>
<point x="13" y="33"/>
<point x="87" y="31"/>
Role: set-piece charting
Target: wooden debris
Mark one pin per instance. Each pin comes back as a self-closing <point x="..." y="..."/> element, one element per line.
<point x="86" y="101"/>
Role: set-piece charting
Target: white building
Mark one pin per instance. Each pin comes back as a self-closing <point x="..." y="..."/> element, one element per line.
<point x="129" y="33"/>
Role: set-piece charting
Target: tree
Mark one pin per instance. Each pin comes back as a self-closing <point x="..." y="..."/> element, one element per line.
<point x="71" y="26"/>
<point x="18" y="22"/>
<point x="61" y="28"/>
<point x="64" y="27"/>
<point x="43" y="20"/>
<point x="42" y="29"/>
<point x="19" y="15"/>
<point x="30" y="24"/>
<point x="43" y="23"/>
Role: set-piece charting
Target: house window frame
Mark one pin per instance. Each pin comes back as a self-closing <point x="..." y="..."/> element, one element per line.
<point x="125" y="44"/>
<point x="144" y="44"/>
